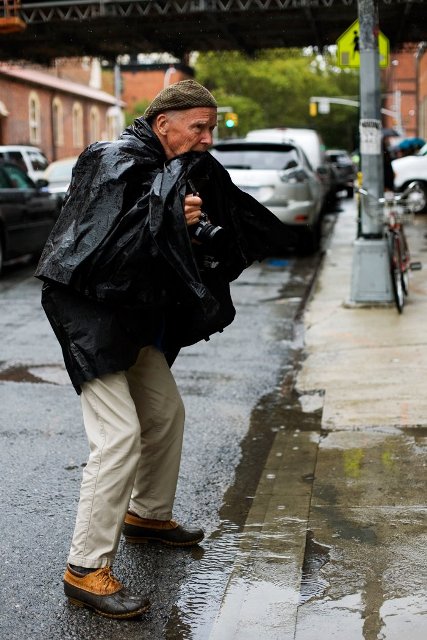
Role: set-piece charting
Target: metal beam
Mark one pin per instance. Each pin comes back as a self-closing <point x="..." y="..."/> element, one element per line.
<point x="86" y="9"/>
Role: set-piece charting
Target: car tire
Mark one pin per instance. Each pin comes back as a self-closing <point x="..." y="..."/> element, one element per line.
<point x="350" y="192"/>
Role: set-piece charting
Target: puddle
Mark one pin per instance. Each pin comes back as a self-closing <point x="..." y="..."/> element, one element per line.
<point x="237" y="558"/>
<point x="400" y="615"/>
<point x="19" y="374"/>
<point x="312" y="402"/>
<point x="36" y="374"/>
<point x="200" y="597"/>
<point x="315" y="557"/>
<point x="194" y="611"/>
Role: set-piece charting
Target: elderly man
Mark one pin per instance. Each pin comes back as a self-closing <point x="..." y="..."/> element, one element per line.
<point x="133" y="271"/>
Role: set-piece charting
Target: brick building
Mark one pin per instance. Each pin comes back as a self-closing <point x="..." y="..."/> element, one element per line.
<point x="422" y="90"/>
<point x="56" y="114"/>
<point x="405" y="91"/>
<point x="142" y="82"/>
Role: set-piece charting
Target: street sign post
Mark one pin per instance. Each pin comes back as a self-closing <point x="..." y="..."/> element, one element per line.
<point x="349" y="47"/>
<point x="371" y="279"/>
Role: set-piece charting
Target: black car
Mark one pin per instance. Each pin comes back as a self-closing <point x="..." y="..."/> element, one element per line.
<point x="343" y="171"/>
<point x="27" y="213"/>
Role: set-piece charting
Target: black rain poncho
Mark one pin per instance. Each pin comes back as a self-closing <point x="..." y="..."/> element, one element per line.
<point x="119" y="267"/>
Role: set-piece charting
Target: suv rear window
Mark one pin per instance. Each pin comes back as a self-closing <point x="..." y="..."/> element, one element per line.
<point x="38" y="161"/>
<point x="267" y="157"/>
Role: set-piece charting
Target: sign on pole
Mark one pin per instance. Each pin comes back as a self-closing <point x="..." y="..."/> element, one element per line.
<point x="349" y="48"/>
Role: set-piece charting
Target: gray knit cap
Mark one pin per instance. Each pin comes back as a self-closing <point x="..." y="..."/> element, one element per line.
<point x="185" y="94"/>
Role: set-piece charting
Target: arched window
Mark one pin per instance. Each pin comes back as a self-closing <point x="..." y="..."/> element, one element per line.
<point x="115" y="122"/>
<point x="77" y="125"/>
<point x="94" y="124"/>
<point x="57" y="122"/>
<point x="34" y="118"/>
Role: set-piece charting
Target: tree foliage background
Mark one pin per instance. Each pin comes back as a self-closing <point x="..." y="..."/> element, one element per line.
<point x="273" y="89"/>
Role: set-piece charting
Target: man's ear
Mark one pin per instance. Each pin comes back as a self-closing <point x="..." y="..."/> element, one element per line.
<point x="162" y="124"/>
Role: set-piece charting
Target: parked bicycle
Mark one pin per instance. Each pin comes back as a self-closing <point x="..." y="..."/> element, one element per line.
<point x="395" y="207"/>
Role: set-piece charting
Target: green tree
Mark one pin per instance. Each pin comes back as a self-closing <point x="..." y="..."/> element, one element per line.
<point x="136" y="112"/>
<point x="273" y="89"/>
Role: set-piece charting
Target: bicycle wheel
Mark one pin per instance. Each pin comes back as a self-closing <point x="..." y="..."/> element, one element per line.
<point x="405" y="261"/>
<point x="396" y="272"/>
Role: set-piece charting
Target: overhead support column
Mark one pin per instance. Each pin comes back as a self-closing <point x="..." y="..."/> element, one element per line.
<point x="371" y="281"/>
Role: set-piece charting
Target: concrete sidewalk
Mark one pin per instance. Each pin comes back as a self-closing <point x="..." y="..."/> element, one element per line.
<point x="334" y="545"/>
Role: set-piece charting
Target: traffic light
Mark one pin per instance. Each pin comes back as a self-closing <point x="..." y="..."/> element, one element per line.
<point x="313" y="109"/>
<point x="231" y="120"/>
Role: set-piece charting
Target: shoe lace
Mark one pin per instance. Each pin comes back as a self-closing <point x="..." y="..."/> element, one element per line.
<point x="108" y="581"/>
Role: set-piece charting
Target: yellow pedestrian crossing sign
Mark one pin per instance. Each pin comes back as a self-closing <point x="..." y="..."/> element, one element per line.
<point x="349" y="50"/>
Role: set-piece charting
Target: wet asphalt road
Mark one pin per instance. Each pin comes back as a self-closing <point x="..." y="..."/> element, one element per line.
<point x="230" y="388"/>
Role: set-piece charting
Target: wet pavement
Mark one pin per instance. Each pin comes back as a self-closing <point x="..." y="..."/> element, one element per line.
<point x="304" y="460"/>
<point x="334" y="544"/>
<point x="231" y="388"/>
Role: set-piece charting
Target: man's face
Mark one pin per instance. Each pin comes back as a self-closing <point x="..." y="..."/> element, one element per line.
<point x="187" y="130"/>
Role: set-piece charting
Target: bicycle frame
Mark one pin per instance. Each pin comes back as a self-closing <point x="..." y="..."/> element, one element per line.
<point x="393" y="208"/>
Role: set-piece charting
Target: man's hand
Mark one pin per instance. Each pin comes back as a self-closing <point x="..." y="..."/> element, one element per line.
<point x="192" y="209"/>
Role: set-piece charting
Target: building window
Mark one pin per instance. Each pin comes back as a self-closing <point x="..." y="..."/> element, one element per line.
<point x="94" y="124"/>
<point x="115" y="122"/>
<point x="57" y="122"/>
<point x="77" y="125"/>
<point x="34" y="118"/>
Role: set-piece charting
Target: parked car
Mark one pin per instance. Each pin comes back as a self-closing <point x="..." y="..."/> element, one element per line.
<point x="27" y="213"/>
<point x="310" y="142"/>
<point x="30" y="159"/>
<point x="58" y="174"/>
<point x="343" y="171"/>
<point x="412" y="169"/>
<point x="279" y="176"/>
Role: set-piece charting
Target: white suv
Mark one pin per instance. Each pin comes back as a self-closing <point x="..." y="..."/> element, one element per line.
<point x="279" y="176"/>
<point x="310" y="142"/>
<point x="30" y="159"/>
<point x="412" y="169"/>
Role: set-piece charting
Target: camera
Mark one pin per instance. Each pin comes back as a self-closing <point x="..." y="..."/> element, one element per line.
<point x="204" y="231"/>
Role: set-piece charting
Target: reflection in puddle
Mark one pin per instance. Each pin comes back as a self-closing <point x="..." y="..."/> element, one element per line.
<point x="195" y="610"/>
<point x="316" y="555"/>
<point x="332" y="619"/>
<point x="403" y="614"/>
<point x="249" y="605"/>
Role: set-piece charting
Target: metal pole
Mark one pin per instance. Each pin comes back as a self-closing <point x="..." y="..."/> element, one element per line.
<point x="371" y="281"/>
<point x="370" y="110"/>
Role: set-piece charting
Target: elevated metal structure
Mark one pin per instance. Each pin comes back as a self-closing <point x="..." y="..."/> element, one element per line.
<point x="108" y="28"/>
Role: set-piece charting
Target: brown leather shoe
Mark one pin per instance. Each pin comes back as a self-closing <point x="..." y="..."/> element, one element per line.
<point x="103" y="593"/>
<point x="140" y="530"/>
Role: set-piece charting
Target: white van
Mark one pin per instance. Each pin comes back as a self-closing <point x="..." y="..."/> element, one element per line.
<point x="30" y="159"/>
<point x="310" y="142"/>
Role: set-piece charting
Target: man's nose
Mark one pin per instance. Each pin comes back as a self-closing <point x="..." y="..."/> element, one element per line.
<point x="207" y="138"/>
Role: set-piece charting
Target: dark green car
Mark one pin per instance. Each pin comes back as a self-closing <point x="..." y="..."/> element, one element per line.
<point x="28" y="212"/>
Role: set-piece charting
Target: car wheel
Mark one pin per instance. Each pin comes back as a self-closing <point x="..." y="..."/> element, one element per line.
<point x="350" y="192"/>
<point x="419" y="199"/>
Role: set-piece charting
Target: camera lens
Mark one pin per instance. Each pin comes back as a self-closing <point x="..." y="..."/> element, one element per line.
<point x="205" y="231"/>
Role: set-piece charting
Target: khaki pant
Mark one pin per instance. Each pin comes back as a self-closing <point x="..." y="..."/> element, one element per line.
<point x="134" y="422"/>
